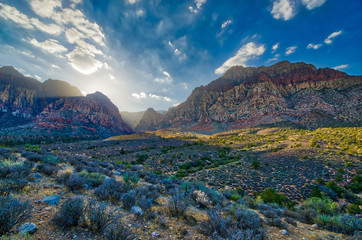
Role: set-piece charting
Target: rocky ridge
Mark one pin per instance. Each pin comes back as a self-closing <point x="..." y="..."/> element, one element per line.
<point x="283" y="94"/>
<point x="29" y="107"/>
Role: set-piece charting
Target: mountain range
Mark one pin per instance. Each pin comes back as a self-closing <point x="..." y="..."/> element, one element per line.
<point x="54" y="108"/>
<point x="284" y="94"/>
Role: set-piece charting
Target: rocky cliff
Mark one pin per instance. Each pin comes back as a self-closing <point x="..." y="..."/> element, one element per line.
<point x="283" y="94"/>
<point x="150" y="121"/>
<point x="29" y="107"/>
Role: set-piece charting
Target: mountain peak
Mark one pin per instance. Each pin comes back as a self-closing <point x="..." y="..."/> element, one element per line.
<point x="9" y="70"/>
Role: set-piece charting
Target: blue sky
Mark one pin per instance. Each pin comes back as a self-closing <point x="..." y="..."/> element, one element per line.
<point x="153" y="53"/>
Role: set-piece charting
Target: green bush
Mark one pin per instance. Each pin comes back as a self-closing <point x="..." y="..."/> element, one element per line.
<point x="255" y="164"/>
<point x="341" y="223"/>
<point x="322" y="206"/>
<point x="181" y="173"/>
<point x="94" y="179"/>
<point x="235" y="197"/>
<point x="270" y="195"/>
<point x="316" y="192"/>
<point x="353" y="209"/>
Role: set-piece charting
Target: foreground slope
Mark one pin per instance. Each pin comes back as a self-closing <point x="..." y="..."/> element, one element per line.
<point x="55" y="109"/>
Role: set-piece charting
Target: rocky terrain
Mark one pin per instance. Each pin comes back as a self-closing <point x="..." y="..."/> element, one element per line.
<point x="53" y="109"/>
<point x="250" y="184"/>
<point x="285" y="94"/>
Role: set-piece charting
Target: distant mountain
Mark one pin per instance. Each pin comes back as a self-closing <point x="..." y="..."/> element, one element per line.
<point x="132" y="118"/>
<point x="54" y="108"/>
<point x="285" y="94"/>
<point x="151" y="120"/>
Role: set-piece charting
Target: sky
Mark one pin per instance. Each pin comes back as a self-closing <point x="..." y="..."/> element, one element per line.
<point x="153" y="53"/>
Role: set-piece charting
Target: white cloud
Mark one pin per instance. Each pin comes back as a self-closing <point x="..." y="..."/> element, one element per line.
<point x="140" y="12"/>
<point x="341" y="67"/>
<point x="314" y="46"/>
<point x="155" y="96"/>
<point x="28" y="54"/>
<point x="283" y="9"/>
<point x="311" y="4"/>
<point x="199" y="4"/>
<point x="328" y="40"/>
<point x="37" y="77"/>
<point x="290" y="50"/>
<point x="166" y="79"/>
<point x="131" y="1"/>
<point x="246" y="52"/>
<point x="45" y="8"/>
<point x="185" y="85"/>
<point x="55" y="66"/>
<point x="143" y="95"/>
<point x="50" y="45"/>
<point x="275" y="58"/>
<point x="275" y="47"/>
<point x="52" y="29"/>
<point x="10" y="13"/>
<point x="139" y="96"/>
<point x="180" y="56"/>
<point x="76" y="18"/>
<point x="83" y="61"/>
<point x="225" y="24"/>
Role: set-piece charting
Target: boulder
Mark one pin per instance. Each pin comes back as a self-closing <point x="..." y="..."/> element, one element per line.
<point x="52" y="200"/>
<point x="27" y="228"/>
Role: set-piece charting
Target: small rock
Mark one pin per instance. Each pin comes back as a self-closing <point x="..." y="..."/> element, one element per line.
<point x="315" y="226"/>
<point x="137" y="210"/>
<point x="27" y="228"/>
<point x="117" y="173"/>
<point x="51" y="200"/>
<point x="155" y="234"/>
<point x="37" y="175"/>
<point x="284" y="232"/>
<point x="47" y="208"/>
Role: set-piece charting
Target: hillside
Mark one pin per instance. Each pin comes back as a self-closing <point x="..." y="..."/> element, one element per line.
<point x="53" y="110"/>
<point x="285" y="94"/>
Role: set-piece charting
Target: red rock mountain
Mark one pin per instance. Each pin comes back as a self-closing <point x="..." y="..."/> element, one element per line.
<point x="55" y="108"/>
<point x="291" y="94"/>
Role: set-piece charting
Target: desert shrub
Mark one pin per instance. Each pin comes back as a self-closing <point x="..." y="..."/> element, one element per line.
<point x="356" y="184"/>
<point x="69" y="213"/>
<point x="306" y="215"/>
<point x="321" y="206"/>
<point x="339" y="177"/>
<point x="75" y="182"/>
<point x="126" y="177"/>
<point x="118" y="231"/>
<point x="255" y="164"/>
<point x="316" y="192"/>
<point x="32" y="156"/>
<point x="177" y="206"/>
<point x="244" y="225"/>
<point x="201" y="198"/>
<point x="250" y="202"/>
<point x="12" y="211"/>
<point x="181" y="173"/>
<point x="145" y="203"/>
<point x="97" y="216"/>
<point x="128" y="200"/>
<point x="111" y="190"/>
<point x="320" y="181"/>
<point x="50" y="159"/>
<point x="19" y="236"/>
<point x="353" y="209"/>
<point x="276" y="222"/>
<point x="92" y="178"/>
<point x="47" y="169"/>
<point x="11" y="185"/>
<point x="270" y="195"/>
<point x="15" y="170"/>
<point x="345" y="224"/>
<point x="291" y="221"/>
